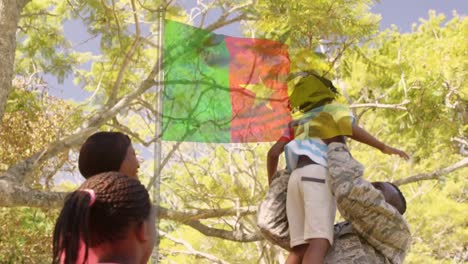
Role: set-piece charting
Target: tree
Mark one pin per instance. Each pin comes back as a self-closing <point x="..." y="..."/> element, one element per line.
<point x="9" y="17"/>
<point x="215" y="189"/>
<point x="318" y="32"/>
<point x="420" y="74"/>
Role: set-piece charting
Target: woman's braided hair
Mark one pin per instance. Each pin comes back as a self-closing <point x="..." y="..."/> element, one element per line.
<point x="120" y="201"/>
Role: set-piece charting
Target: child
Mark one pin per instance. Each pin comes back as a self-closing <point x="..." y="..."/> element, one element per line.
<point x="111" y="214"/>
<point x="310" y="205"/>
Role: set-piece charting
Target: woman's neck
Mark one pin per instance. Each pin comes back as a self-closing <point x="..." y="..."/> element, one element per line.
<point x="119" y="259"/>
<point x="117" y="252"/>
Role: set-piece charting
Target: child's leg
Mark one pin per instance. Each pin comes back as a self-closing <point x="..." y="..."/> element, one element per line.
<point x="295" y="214"/>
<point x="297" y="254"/>
<point x="319" y="214"/>
<point x="310" y="208"/>
<point x="316" y="251"/>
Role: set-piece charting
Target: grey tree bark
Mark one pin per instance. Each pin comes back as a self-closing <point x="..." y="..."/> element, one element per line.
<point x="10" y="11"/>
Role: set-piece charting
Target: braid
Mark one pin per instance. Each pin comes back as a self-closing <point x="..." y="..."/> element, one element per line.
<point x="120" y="201"/>
<point x="72" y="222"/>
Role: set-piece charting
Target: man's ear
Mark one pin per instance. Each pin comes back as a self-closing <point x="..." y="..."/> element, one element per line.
<point x="142" y="231"/>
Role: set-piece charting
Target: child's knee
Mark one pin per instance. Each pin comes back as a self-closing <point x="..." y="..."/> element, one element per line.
<point x="321" y="244"/>
<point x="299" y="250"/>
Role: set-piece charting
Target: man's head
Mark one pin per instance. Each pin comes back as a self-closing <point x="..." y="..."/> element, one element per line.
<point x="392" y="195"/>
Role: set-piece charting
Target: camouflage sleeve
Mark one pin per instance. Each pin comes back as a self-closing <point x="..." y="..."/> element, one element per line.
<point x="373" y="219"/>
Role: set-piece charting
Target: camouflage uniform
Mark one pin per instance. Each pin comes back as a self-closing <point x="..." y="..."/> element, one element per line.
<point x="271" y="214"/>
<point x="376" y="232"/>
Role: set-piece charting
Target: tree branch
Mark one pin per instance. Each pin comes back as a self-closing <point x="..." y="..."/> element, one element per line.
<point x="222" y="23"/>
<point x="191" y="250"/>
<point x="459" y="140"/>
<point x="235" y="235"/>
<point x="22" y="3"/>
<point x="197" y="214"/>
<point x="13" y="195"/>
<point x="400" y="106"/>
<point x="433" y="175"/>
<point x="20" y="171"/>
<point x="198" y="254"/>
<point x="223" y="19"/>
<point x="40" y="13"/>
<point x="117" y="125"/>
<point x="162" y="165"/>
<point x="128" y="56"/>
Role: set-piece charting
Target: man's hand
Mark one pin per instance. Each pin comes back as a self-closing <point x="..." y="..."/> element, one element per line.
<point x="393" y="151"/>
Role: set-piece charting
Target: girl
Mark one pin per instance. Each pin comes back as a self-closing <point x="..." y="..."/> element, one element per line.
<point x="112" y="214"/>
<point x="104" y="152"/>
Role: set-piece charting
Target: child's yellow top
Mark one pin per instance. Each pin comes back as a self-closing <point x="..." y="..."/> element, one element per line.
<point x="325" y="121"/>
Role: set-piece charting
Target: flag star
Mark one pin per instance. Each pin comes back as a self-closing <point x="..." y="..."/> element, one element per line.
<point x="262" y="93"/>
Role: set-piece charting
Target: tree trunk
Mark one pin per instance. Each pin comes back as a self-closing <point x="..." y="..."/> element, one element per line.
<point x="9" y="17"/>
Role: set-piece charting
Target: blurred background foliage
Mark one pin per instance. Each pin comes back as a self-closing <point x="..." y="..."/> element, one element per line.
<point x="408" y="89"/>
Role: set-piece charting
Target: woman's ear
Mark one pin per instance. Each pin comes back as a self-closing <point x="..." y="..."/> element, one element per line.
<point x="142" y="231"/>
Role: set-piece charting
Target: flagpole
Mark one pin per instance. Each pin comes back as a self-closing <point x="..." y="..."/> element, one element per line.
<point x="158" y="124"/>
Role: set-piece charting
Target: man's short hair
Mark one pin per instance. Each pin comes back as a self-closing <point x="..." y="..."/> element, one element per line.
<point x="402" y="199"/>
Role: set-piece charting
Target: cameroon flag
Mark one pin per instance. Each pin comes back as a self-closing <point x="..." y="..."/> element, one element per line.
<point x="223" y="89"/>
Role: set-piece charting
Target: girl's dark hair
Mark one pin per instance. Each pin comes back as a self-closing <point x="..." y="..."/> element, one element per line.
<point x="120" y="201"/>
<point x="101" y="152"/>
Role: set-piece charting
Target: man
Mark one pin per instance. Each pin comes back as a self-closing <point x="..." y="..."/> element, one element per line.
<point x="375" y="230"/>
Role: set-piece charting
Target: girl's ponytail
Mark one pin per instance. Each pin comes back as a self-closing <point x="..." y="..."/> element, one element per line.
<point x="101" y="210"/>
<point x="72" y="226"/>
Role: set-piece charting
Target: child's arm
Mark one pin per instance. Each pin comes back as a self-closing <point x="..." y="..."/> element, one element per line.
<point x="273" y="157"/>
<point x="361" y="135"/>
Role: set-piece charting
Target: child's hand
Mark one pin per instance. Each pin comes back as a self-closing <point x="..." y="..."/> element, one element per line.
<point x="394" y="151"/>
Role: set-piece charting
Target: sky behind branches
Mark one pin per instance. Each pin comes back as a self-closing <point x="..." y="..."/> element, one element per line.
<point x="402" y="13"/>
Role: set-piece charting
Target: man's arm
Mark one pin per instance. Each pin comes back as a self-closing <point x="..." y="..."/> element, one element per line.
<point x="379" y="223"/>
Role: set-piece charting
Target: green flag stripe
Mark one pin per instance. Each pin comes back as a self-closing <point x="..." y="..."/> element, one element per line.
<point x="196" y="94"/>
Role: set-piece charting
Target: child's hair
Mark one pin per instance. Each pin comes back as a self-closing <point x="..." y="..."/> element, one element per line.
<point x="102" y="152"/>
<point x="101" y="210"/>
<point x="310" y="91"/>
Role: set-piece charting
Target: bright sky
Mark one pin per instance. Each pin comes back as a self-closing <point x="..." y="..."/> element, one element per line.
<point x="402" y="13"/>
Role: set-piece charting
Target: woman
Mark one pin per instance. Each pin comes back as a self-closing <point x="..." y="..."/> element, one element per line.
<point x="104" y="152"/>
<point x="112" y="214"/>
<point x="108" y="151"/>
